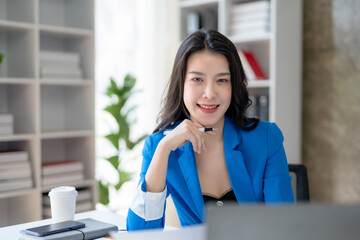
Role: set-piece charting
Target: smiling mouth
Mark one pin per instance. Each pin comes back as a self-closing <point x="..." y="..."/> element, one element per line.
<point x="208" y="107"/>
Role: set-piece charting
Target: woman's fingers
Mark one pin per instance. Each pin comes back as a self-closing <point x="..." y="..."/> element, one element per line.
<point x="184" y="132"/>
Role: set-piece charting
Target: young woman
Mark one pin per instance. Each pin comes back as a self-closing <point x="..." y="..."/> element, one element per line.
<point x="241" y="159"/>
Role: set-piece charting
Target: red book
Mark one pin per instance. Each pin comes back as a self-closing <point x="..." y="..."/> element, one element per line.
<point x="259" y="74"/>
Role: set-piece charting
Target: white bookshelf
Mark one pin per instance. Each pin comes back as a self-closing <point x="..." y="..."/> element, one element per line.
<point x="53" y="118"/>
<point x="279" y="55"/>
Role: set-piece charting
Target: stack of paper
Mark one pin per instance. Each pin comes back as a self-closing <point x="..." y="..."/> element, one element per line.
<point x="60" y="65"/>
<point x="60" y="172"/>
<point x="6" y="124"/>
<point x="250" y="18"/>
<point x="15" y="171"/>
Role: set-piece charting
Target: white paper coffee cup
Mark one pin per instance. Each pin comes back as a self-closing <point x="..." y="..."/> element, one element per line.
<point x="62" y="202"/>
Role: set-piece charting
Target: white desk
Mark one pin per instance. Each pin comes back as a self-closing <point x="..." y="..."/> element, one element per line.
<point x="12" y="232"/>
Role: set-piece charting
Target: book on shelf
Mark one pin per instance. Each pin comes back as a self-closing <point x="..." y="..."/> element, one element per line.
<point x="62" y="178"/>
<point x="251" y="66"/>
<point x="259" y="107"/>
<point x="93" y="229"/>
<point x="13" y="156"/>
<point x="15" y="173"/>
<point x="4" y="166"/>
<point x="254" y="6"/>
<point x="204" y="19"/>
<point x="58" y="56"/>
<point x="15" y="184"/>
<point x="251" y="18"/>
<point x="60" y="72"/>
<point x="263" y="107"/>
<point x="49" y="168"/>
<point x="208" y="19"/>
<point x="60" y="65"/>
<point x="6" y="118"/>
<point x="192" y="22"/>
<point x="6" y="129"/>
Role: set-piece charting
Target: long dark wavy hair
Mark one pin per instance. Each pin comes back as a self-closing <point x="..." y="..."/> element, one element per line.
<point x="174" y="109"/>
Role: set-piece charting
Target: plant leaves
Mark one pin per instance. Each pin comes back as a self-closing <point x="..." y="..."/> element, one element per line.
<point x="119" y="110"/>
<point x="114" y="139"/>
<point x="114" y="161"/>
<point x="124" y="176"/>
<point x="103" y="193"/>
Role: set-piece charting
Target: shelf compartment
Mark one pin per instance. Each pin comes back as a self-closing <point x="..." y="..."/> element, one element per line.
<point x="261" y="51"/>
<point x="261" y="103"/>
<point x="67" y="13"/>
<point x="30" y="146"/>
<point x="66" y="108"/>
<point x="197" y="15"/>
<point x="68" y="43"/>
<point x="18" y="47"/>
<point x="15" y="210"/>
<point x="20" y="101"/>
<point x="74" y="149"/>
<point x="17" y="10"/>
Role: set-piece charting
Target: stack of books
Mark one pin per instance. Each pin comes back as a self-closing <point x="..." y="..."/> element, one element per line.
<point x="251" y="66"/>
<point x="84" y="202"/>
<point x="250" y="18"/>
<point x="259" y="107"/>
<point x="205" y="19"/>
<point x="6" y="124"/>
<point x="61" y="172"/>
<point x="15" y="171"/>
<point x="60" y="65"/>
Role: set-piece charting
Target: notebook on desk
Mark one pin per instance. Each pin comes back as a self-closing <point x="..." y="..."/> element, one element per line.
<point x="295" y="222"/>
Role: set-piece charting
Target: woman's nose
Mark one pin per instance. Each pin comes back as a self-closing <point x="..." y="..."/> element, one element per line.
<point x="209" y="91"/>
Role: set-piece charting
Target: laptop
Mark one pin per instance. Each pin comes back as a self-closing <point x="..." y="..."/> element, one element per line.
<point x="257" y="222"/>
<point x="295" y="222"/>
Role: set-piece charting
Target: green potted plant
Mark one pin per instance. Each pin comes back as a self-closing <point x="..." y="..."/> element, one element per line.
<point x="120" y="137"/>
<point x="1" y="57"/>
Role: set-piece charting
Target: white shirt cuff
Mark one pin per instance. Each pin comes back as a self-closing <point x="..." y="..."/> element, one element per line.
<point x="148" y="205"/>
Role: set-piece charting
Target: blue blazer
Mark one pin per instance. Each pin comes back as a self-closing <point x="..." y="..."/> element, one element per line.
<point x="256" y="163"/>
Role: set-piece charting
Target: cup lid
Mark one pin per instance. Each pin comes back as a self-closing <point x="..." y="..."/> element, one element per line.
<point x="63" y="191"/>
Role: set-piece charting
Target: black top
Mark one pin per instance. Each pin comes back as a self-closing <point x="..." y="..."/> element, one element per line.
<point x="227" y="196"/>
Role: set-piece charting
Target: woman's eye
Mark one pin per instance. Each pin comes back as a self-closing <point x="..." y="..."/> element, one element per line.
<point x="197" y="79"/>
<point x="222" y="80"/>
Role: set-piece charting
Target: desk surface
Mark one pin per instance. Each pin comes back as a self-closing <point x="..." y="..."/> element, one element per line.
<point x="12" y="232"/>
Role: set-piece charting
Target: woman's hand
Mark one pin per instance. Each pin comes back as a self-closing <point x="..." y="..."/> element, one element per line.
<point x="184" y="132"/>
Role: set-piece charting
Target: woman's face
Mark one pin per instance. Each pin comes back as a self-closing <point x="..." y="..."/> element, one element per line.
<point x="207" y="88"/>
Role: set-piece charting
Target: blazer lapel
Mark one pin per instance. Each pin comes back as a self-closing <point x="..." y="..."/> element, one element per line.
<point x="189" y="170"/>
<point x="238" y="174"/>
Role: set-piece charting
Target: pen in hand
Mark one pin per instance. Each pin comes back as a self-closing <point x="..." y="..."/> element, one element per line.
<point x="201" y="130"/>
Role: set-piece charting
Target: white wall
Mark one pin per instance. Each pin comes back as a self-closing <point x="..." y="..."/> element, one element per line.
<point x="138" y="37"/>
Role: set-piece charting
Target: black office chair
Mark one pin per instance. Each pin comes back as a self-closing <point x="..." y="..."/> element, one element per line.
<point x="299" y="182"/>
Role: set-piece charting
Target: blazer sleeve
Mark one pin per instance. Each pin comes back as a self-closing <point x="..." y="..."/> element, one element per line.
<point x="147" y="210"/>
<point x="277" y="182"/>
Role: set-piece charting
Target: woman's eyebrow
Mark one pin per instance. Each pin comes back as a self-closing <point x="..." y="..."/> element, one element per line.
<point x="196" y="72"/>
<point x="203" y="74"/>
<point x="223" y="74"/>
